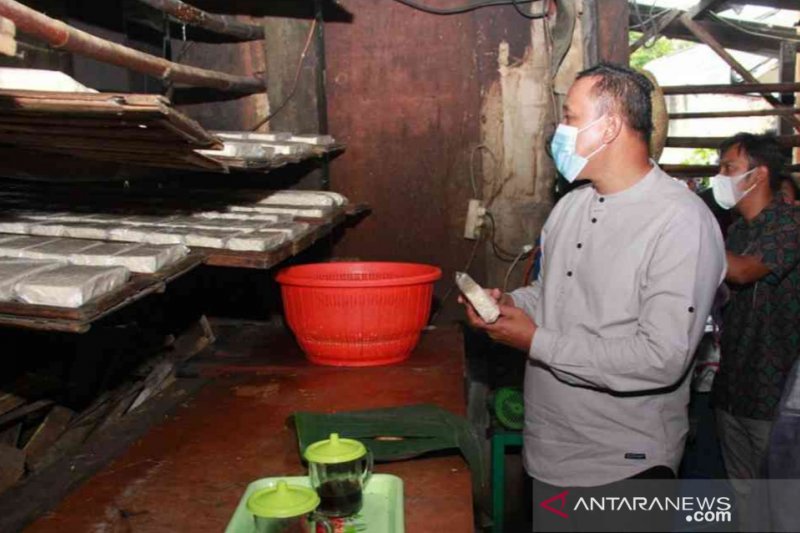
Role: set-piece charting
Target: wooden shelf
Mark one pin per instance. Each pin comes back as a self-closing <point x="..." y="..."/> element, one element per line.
<point x="47" y="318"/>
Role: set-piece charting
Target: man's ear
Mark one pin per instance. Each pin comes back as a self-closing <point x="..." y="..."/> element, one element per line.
<point x="761" y="174"/>
<point x="613" y="127"/>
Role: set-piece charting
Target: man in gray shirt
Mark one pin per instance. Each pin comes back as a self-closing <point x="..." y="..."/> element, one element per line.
<point x="630" y="265"/>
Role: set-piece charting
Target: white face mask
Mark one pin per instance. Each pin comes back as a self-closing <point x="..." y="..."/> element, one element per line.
<point x="726" y="189"/>
<point x="568" y="163"/>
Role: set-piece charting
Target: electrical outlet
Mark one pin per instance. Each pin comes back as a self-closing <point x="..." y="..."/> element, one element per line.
<point x="476" y="216"/>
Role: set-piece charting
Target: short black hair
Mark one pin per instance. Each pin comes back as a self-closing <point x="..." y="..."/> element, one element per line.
<point x="793" y="185"/>
<point x="626" y="91"/>
<point x="761" y="150"/>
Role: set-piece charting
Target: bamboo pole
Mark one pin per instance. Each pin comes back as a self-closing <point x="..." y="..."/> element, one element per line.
<point x="221" y="24"/>
<point x="61" y="35"/>
<point x="735" y="114"/>
<point x="704" y="171"/>
<point x="714" y="142"/>
<point x="742" y="88"/>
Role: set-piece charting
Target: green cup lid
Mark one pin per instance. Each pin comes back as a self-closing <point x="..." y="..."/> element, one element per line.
<point x="335" y="450"/>
<point x="282" y="501"/>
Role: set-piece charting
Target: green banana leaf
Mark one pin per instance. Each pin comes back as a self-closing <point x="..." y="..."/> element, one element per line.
<point x="396" y="433"/>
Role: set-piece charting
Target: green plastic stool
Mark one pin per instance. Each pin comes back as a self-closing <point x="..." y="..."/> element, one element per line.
<point x="501" y="439"/>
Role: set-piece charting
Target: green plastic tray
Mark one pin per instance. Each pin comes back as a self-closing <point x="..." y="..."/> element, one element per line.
<point x="382" y="511"/>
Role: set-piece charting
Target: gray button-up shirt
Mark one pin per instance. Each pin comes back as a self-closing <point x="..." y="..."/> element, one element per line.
<point x="626" y="284"/>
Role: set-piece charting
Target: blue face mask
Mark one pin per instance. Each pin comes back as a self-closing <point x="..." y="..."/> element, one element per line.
<point x="568" y="163"/>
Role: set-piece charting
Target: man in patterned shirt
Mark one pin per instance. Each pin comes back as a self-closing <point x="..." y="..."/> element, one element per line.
<point x="760" y="337"/>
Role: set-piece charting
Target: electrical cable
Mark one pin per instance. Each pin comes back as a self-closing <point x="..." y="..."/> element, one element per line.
<point x="528" y="15"/>
<point x="449" y="291"/>
<point x="525" y="250"/>
<point x="471" y="6"/>
<point x="294" y="83"/>
<point x="499" y="252"/>
<point x="745" y="29"/>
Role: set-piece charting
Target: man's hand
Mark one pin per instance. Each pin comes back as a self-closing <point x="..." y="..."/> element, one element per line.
<point x="495" y="294"/>
<point x="514" y="327"/>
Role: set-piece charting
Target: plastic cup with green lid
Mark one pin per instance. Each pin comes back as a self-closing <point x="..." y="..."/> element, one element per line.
<point x="286" y="508"/>
<point x="339" y="470"/>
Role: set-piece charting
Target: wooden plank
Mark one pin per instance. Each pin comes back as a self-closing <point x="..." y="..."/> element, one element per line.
<point x="78" y="320"/>
<point x="712" y="43"/>
<point x="9" y="401"/>
<point x="48" y="432"/>
<point x="742" y="88"/>
<point x="735" y="114"/>
<point x="23" y="411"/>
<point x="12" y="466"/>
<point x="714" y="142"/>
<point x="10" y="436"/>
<point x="46" y="488"/>
<point x="704" y="171"/>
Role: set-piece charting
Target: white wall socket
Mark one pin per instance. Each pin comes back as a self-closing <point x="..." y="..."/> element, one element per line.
<point x="476" y="216"/>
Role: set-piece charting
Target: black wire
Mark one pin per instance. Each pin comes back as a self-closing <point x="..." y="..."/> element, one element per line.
<point x="471" y="6"/>
<point x="526" y="14"/>
<point x="498" y="250"/>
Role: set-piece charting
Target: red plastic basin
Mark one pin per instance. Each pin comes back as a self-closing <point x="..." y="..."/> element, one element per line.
<point x="357" y="314"/>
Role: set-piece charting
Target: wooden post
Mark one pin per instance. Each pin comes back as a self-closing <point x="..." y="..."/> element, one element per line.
<point x="612" y="31"/>
<point x="786" y="68"/>
<point x="712" y="43"/>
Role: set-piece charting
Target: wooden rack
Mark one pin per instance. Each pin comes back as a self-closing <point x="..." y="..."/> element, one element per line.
<point x="80" y="320"/>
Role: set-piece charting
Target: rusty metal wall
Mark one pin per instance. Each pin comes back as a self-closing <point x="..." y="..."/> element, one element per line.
<point x="405" y="90"/>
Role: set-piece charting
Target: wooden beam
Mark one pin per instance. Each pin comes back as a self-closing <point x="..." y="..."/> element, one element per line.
<point x="742" y="88"/>
<point x="714" y="142"/>
<point x="734" y="114"/>
<point x="61" y="35"/>
<point x="786" y="67"/>
<point x="663" y="22"/>
<point x="612" y="31"/>
<point x="728" y="36"/>
<point x="712" y="43"/>
<point x="704" y="171"/>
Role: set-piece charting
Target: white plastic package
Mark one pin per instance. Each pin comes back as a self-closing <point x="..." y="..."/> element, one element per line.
<point x="20" y="227"/>
<point x="295" y="211"/>
<point x="139" y="258"/>
<point x="76" y="230"/>
<point x="199" y="223"/>
<point x="218" y="215"/>
<point x="130" y="233"/>
<point x="16" y="247"/>
<point x="210" y="238"/>
<point x="297" y="198"/>
<point x="14" y="270"/>
<point x="257" y="241"/>
<point x="57" y="249"/>
<point x="71" y="285"/>
<point x="292" y="230"/>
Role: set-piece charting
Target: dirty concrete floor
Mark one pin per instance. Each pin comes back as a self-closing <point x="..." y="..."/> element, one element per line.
<point x="188" y="473"/>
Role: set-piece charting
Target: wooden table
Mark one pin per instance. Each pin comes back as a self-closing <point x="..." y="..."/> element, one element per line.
<point x="188" y="473"/>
